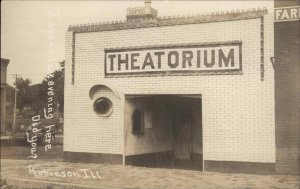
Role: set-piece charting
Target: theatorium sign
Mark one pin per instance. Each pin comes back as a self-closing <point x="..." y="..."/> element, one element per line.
<point x="193" y="58"/>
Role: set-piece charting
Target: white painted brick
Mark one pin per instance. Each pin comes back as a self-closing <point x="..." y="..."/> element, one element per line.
<point x="238" y="110"/>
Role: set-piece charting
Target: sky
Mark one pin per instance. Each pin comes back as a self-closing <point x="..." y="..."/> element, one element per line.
<point x="25" y="27"/>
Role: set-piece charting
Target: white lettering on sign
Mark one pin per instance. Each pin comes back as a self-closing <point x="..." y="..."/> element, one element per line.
<point x="283" y="14"/>
<point x="193" y="58"/>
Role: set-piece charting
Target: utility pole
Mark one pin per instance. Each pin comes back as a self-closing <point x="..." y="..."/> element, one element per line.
<point x="57" y="106"/>
<point x="15" y="104"/>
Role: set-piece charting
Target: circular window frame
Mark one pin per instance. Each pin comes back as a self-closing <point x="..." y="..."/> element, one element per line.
<point x="108" y="112"/>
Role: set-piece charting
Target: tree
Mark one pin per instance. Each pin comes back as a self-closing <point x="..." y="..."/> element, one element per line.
<point x="38" y="99"/>
<point x="22" y="86"/>
<point x="32" y="99"/>
<point x="10" y="99"/>
<point x="58" y="79"/>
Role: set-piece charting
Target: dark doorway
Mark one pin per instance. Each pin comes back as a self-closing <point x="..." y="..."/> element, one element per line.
<point x="186" y="115"/>
<point x="172" y="133"/>
<point x="182" y="132"/>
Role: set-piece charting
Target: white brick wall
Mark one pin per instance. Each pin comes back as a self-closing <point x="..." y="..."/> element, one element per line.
<point x="238" y="110"/>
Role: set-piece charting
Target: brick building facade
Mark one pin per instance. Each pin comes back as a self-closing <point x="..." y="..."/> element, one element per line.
<point x="188" y="92"/>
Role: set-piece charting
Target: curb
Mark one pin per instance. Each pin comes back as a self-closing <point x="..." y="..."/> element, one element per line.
<point x="31" y="184"/>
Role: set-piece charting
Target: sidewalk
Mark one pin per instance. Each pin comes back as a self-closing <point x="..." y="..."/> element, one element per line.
<point x="47" y="174"/>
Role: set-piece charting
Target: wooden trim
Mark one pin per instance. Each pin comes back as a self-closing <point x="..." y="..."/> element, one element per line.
<point x="175" y="73"/>
<point x="155" y="159"/>
<point x="239" y="167"/>
<point x="84" y="157"/>
<point x="174" y="46"/>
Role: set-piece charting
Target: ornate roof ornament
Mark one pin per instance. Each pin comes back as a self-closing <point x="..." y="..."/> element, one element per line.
<point x="144" y="17"/>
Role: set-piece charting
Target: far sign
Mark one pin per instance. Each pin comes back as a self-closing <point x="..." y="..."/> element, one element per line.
<point x="283" y="14"/>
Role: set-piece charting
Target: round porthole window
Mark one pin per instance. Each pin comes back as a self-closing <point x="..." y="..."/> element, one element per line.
<point x="103" y="106"/>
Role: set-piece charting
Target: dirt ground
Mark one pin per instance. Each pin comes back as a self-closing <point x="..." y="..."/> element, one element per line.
<point x="20" y="150"/>
<point x="29" y="174"/>
<point x="18" y="171"/>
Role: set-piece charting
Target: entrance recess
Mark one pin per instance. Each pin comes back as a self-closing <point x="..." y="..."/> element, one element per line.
<point x="167" y="133"/>
<point x="182" y="132"/>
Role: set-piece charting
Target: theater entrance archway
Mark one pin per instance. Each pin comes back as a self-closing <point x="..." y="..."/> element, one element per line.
<point x="163" y="131"/>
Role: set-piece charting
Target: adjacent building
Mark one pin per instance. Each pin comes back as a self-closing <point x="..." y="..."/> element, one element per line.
<point x="4" y="63"/>
<point x="287" y="86"/>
